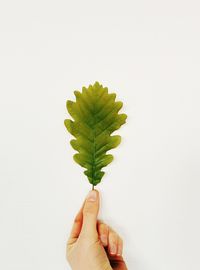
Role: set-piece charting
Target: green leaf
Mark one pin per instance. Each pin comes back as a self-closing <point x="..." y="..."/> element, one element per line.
<point x="95" y="117"/>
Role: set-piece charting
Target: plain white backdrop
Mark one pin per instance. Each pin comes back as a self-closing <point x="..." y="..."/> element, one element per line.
<point x="148" y="52"/>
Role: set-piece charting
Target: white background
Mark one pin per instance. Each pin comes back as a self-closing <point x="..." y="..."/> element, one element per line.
<point x="148" y="52"/>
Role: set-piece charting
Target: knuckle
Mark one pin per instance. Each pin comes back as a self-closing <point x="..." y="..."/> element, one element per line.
<point x="88" y="209"/>
<point x="100" y="221"/>
<point x="103" y="228"/>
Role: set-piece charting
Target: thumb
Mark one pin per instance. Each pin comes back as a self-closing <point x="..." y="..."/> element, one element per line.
<point x="90" y="212"/>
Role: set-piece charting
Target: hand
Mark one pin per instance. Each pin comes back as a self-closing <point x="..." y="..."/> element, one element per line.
<point x="92" y="244"/>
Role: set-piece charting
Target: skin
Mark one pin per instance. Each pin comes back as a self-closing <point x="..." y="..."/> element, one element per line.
<point x="92" y="243"/>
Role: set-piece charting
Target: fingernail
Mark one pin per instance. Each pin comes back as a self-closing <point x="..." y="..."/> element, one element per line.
<point x="92" y="196"/>
<point x="119" y="252"/>
<point x="113" y="249"/>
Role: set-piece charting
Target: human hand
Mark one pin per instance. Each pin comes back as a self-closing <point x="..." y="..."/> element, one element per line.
<point x="92" y="244"/>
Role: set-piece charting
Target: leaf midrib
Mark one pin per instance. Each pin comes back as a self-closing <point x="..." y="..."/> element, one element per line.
<point x="94" y="142"/>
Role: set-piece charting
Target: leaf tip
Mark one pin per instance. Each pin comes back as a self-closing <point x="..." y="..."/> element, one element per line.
<point x="77" y="94"/>
<point x="69" y="103"/>
<point x="97" y="84"/>
<point x="68" y="125"/>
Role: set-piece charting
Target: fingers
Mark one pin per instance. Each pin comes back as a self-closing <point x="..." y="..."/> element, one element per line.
<point x="109" y="238"/>
<point x="77" y="225"/>
<point x="120" y="247"/>
<point x="87" y="215"/>
<point x="90" y="212"/>
<point x="115" y="244"/>
<point x="103" y="231"/>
